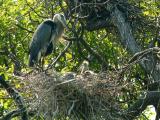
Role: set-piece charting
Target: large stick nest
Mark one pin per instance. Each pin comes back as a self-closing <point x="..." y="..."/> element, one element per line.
<point x="87" y="95"/>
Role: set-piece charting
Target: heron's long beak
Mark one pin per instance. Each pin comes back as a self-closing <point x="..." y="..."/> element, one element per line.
<point x="66" y="27"/>
<point x="64" y="23"/>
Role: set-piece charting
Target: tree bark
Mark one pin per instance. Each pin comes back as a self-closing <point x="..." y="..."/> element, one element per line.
<point x="148" y="64"/>
<point x="18" y="100"/>
<point x="128" y="41"/>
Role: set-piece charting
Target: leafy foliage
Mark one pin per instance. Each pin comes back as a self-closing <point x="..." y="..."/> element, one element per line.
<point x="19" y="19"/>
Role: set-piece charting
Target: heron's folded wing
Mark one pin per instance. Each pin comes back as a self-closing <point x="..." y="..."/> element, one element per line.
<point x="40" y="40"/>
<point x="42" y="35"/>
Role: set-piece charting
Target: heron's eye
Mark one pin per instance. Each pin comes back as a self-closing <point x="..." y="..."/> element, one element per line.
<point x="61" y="15"/>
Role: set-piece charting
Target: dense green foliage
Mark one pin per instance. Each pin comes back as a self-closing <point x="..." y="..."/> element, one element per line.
<point x="19" y="19"/>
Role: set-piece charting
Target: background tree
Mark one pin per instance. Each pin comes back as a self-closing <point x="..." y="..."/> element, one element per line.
<point x="117" y="38"/>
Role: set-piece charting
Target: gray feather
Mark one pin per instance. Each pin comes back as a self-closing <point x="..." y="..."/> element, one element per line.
<point x="45" y="38"/>
<point x="40" y="41"/>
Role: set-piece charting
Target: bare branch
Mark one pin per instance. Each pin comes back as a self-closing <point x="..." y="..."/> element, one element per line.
<point x="150" y="98"/>
<point x="68" y="39"/>
<point x="16" y="97"/>
<point x="11" y="114"/>
<point x="92" y="52"/>
<point x="33" y="9"/>
<point x="59" y="56"/>
<point x="92" y="4"/>
<point x="99" y="24"/>
<point x="143" y="53"/>
<point x="23" y="28"/>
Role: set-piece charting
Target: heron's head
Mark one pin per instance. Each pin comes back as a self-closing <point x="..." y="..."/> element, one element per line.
<point x="60" y="18"/>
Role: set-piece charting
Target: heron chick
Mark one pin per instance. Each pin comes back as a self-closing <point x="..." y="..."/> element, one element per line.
<point x="45" y="37"/>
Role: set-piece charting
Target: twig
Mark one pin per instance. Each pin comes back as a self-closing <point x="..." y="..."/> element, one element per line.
<point x="71" y="108"/>
<point x="16" y="97"/>
<point x="93" y="4"/>
<point x="92" y="52"/>
<point x="33" y="9"/>
<point x="11" y="114"/>
<point x="68" y="39"/>
<point x="67" y="81"/>
<point x="23" y="28"/>
<point x="150" y="98"/>
<point x="59" y="56"/>
<point x="136" y="58"/>
<point x="143" y="53"/>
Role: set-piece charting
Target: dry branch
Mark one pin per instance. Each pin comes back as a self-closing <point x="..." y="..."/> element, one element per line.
<point x="18" y="100"/>
<point x="60" y="55"/>
<point x="150" y="98"/>
<point x="144" y="53"/>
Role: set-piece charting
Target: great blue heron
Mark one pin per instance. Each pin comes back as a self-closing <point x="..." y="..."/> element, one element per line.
<point x="45" y="37"/>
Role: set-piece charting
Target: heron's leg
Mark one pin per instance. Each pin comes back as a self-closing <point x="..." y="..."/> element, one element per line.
<point x="38" y="66"/>
<point x="39" y="60"/>
<point x="42" y="63"/>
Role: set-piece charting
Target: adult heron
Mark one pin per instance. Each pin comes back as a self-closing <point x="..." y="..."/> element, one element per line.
<point x="45" y="37"/>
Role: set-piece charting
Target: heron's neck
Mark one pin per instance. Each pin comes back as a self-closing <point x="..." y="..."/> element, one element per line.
<point x="60" y="27"/>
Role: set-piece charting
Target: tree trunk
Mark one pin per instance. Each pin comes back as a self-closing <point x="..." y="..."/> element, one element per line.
<point x="128" y="41"/>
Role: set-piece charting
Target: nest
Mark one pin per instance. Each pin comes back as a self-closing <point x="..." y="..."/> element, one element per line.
<point x="86" y="96"/>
